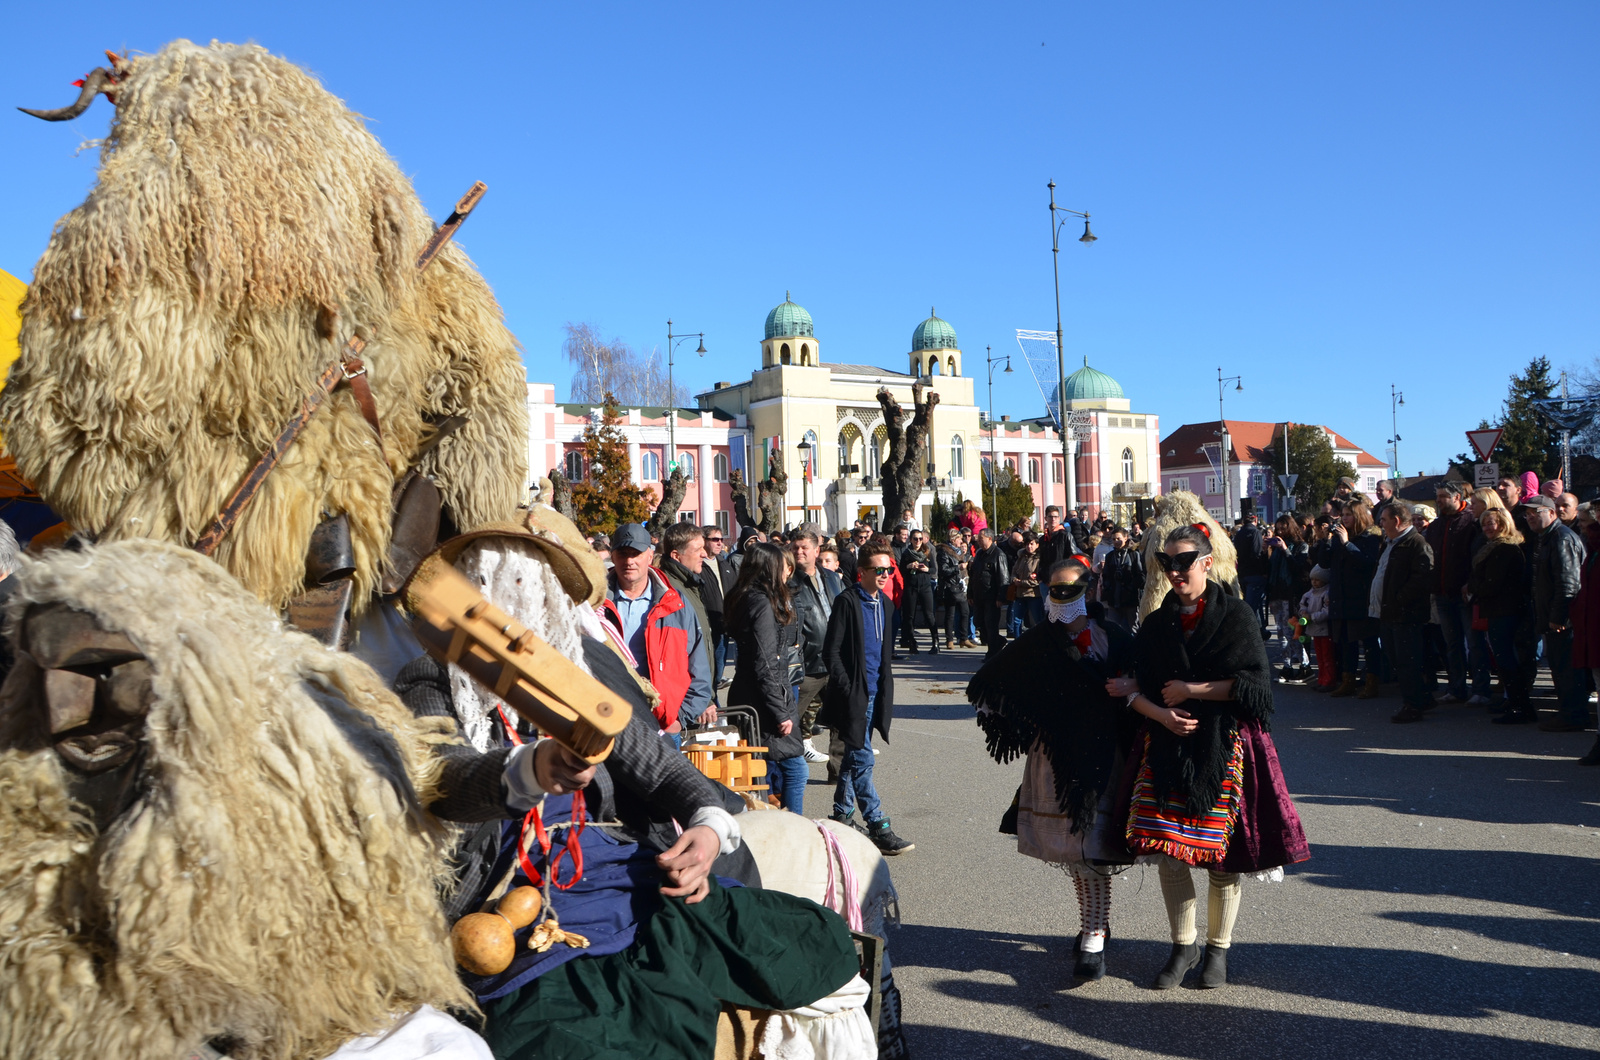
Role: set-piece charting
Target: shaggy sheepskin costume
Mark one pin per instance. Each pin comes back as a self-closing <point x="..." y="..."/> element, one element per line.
<point x="243" y="226"/>
<point x="272" y="886"/>
<point x="1181" y="508"/>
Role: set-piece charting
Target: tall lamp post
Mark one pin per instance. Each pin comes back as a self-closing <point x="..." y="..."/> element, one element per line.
<point x="673" y="341"/>
<point x="1069" y="472"/>
<point x="994" y="459"/>
<point x="1222" y="433"/>
<point x="805" y="481"/>
<point x="1397" y="401"/>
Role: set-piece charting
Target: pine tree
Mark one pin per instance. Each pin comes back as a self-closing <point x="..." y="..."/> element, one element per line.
<point x="1311" y="458"/>
<point x="1527" y="442"/>
<point x="607" y="496"/>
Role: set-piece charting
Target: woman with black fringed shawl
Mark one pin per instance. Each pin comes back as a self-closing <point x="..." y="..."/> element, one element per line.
<point x="1045" y="696"/>
<point x="1206" y="789"/>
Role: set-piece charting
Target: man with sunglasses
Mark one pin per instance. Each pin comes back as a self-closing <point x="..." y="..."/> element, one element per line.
<point x="718" y="574"/>
<point x="859" y="696"/>
<point x="1059" y="695"/>
<point x="918" y="565"/>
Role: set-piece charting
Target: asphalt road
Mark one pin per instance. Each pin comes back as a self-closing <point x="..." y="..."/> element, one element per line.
<point x="1451" y="907"/>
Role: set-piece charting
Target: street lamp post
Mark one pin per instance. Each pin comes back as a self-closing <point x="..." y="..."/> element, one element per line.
<point x="994" y="460"/>
<point x="1397" y="401"/>
<point x="1069" y="472"/>
<point x="672" y="394"/>
<point x="805" y="481"/>
<point x="1222" y="433"/>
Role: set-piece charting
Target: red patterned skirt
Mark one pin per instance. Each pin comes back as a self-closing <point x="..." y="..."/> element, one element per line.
<point x="1164" y="825"/>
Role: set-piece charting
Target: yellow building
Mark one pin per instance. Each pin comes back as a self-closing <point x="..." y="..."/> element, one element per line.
<point x="796" y="396"/>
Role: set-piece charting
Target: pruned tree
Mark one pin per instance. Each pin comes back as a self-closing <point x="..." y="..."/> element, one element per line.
<point x="772" y="495"/>
<point x="610" y="366"/>
<point x="672" y="491"/>
<point x="741" y="500"/>
<point x="907" y="453"/>
<point x="561" y="495"/>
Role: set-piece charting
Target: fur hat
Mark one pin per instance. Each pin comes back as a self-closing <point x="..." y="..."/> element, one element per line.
<point x="1321" y="574"/>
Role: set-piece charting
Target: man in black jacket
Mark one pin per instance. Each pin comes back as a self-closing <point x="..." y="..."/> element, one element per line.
<point x="1254" y="567"/>
<point x="1557" y="566"/>
<point x="812" y="591"/>
<point x="717" y="575"/>
<point x="1122" y="581"/>
<point x="1454" y="538"/>
<point x="1400" y="601"/>
<point x="918" y="566"/>
<point x="860" y="694"/>
<point x="987" y="579"/>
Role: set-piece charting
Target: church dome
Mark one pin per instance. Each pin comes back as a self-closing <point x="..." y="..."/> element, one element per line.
<point x="934" y="334"/>
<point x="1087" y="384"/>
<point x="788" y="320"/>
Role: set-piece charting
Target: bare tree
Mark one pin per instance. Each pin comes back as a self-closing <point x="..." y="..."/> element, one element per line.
<point x="561" y="494"/>
<point x="741" y="500"/>
<point x="908" y="448"/>
<point x="771" y="503"/>
<point x="672" y="492"/>
<point x="603" y="366"/>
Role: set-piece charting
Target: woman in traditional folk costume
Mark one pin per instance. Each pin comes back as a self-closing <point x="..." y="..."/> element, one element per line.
<point x="1047" y="696"/>
<point x="1207" y="791"/>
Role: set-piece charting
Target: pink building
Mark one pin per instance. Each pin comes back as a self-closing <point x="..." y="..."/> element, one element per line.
<point x="709" y="444"/>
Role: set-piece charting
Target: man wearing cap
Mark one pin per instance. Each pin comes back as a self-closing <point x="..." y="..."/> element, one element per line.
<point x="659" y="628"/>
<point x="1557" y="564"/>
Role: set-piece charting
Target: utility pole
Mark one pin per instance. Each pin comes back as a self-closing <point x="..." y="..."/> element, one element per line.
<point x="994" y="458"/>
<point x="1222" y="433"/>
<point x="1068" y="471"/>
<point x="672" y="397"/>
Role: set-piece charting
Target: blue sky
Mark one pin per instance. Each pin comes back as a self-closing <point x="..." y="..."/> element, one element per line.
<point x="1326" y="199"/>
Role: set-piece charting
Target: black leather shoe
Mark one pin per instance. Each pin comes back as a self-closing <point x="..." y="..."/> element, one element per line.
<point x="1399" y="717"/>
<point x="1180" y="964"/>
<point x="1593" y="757"/>
<point x="1090" y="966"/>
<point x="1214" y="972"/>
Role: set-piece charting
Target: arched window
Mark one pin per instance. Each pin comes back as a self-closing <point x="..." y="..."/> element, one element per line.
<point x="1055" y="470"/>
<point x="953" y="366"/>
<point x="844" y="454"/>
<point x="783" y="354"/>
<point x="572" y="466"/>
<point x="719" y="467"/>
<point x="686" y="461"/>
<point x="811" y="454"/>
<point x="875" y="456"/>
<point x="1127" y="465"/>
<point x="649" y="466"/>
<point x="1011" y="465"/>
<point x="933" y="365"/>
<point x="805" y="353"/>
<point x="958" y="458"/>
<point x="1033" y="470"/>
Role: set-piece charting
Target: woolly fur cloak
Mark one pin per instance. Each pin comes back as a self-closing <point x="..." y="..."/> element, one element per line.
<point x="1181" y="508"/>
<point x="243" y="226"/>
<point x="273" y="885"/>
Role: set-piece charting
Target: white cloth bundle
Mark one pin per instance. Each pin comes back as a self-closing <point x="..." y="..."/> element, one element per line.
<point x="835" y="1027"/>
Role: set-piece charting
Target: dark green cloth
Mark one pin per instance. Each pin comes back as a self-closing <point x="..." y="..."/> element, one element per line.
<point x="660" y="997"/>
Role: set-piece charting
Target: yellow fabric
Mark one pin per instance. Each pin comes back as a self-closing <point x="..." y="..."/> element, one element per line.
<point x="11" y="292"/>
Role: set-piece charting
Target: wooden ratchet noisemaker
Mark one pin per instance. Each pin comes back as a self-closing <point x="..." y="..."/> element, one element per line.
<point x="457" y="625"/>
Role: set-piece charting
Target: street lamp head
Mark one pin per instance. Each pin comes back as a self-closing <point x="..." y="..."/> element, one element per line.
<point x="702" y="350"/>
<point x="1240" y="386"/>
<point x="1008" y="367"/>
<point x="1088" y="236"/>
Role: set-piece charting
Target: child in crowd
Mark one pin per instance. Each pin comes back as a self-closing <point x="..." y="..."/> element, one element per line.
<point x="1314" y="609"/>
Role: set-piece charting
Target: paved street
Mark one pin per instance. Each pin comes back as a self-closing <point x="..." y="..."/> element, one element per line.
<point x="1451" y="907"/>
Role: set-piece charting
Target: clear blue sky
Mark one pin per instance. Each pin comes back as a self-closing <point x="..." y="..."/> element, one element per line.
<point x="1324" y="198"/>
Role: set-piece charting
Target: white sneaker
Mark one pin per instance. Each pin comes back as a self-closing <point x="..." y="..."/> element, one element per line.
<point x="874" y="750"/>
<point x="814" y="755"/>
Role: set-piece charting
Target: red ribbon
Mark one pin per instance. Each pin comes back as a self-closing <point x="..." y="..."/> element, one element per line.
<point x="571" y="847"/>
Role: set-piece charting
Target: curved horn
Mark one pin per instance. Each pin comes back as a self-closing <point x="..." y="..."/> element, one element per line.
<point x="98" y="81"/>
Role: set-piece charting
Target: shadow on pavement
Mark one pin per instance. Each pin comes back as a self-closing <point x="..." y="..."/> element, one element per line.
<point x="1532" y="880"/>
<point x="1558" y="936"/>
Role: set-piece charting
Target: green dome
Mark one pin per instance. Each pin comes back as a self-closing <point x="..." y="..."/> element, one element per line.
<point x="1086" y="384"/>
<point x="788" y="320"/>
<point x="934" y="334"/>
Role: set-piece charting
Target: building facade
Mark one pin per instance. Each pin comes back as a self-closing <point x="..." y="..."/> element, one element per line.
<point x="1191" y="459"/>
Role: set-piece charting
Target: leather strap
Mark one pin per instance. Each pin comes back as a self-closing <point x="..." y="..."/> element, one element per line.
<point x="355" y="373"/>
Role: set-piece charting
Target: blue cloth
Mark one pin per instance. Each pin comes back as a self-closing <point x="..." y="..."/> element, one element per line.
<point x="855" y="787"/>
<point x="788" y="778"/>
<point x="633" y="613"/>
<point x="873" y="606"/>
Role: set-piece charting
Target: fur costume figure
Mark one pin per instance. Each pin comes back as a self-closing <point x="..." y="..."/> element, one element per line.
<point x="269" y="881"/>
<point x="243" y="226"/>
<point x="1181" y="508"/>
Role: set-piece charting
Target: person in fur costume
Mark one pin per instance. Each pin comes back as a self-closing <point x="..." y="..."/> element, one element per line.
<point x="1182" y="508"/>
<point x="213" y="827"/>
<point x="243" y="225"/>
<point x="1048" y="696"/>
<point x="665" y="942"/>
<point x="1205" y="789"/>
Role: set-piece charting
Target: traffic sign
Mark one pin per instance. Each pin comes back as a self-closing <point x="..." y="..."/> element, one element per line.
<point x="1484" y="476"/>
<point x="1287" y="482"/>
<point x="1485" y="440"/>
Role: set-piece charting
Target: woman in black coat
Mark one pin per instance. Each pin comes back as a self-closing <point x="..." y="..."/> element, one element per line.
<point x="1353" y="558"/>
<point x="762" y="621"/>
<point x="953" y="560"/>
<point x="1497" y="590"/>
<point x="1208" y="791"/>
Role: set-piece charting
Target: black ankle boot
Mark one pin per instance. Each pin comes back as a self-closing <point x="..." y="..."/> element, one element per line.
<point x="1180" y="964"/>
<point x="1089" y="966"/>
<point x="1214" y="972"/>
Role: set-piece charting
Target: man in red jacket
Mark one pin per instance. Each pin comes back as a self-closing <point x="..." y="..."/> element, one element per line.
<point x="660" y="630"/>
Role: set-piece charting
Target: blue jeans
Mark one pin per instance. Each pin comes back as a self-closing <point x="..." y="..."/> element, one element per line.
<point x="855" y="782"/>
<point x="1466" y="650"/>
<point x="788" y="778"/>
<point x="1255" y="596"/>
